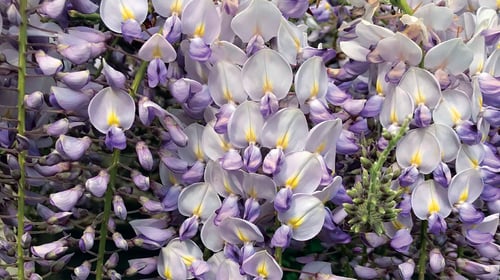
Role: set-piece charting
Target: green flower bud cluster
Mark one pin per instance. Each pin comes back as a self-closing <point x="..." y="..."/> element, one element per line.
<point x="373" y="200"/>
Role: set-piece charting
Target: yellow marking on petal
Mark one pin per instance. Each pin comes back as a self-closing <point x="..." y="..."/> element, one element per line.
<point x="227" y="187"/>
<point x="126" y="13"/>
<point x="296" y="222"/>
<point x="157" y="52"/>
<point x="250" y="135"/>
<point x="262" y="270"/>
<point x="171" y="179"/>
<point x="475" y="163"/>
<point x="242" y="236"/>
<point x="327" y="6"/>
<point x="480" y="65"/>
<point x="176" y="7"/>
<point x="416" y="159"/>
<point x="455" y="114"/>
<point x="378" y="87"/>
<point x="200" y="30"/>
<point x="321" y="147"/>
<point x="420" y="99"/>
<point x="188" y="260"/>
<point x="293" y="181"/>
<point x="282" y="142"/>
<point x="199" y="153"/>
<point x="314" y="89"/>
<point x="480" y="100"/>
<point x="433" y="206"/>
<point x="393" y="117"/>
<point x="113" y="118"/>
<point x="227" y="94"/>
<point x="268" y="85"/>
<point x="398" y="225"/>
<point x="464" y="195"/>
<point x="225" y="145"/>
<point x="296" y="42"/>
<point x="197" y="210"/>
<point x="252" y="192"/>
<point x="167" y="273"/>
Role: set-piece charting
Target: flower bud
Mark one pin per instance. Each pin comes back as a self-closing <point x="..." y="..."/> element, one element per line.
<point x="75" y="80"/>
<point x="113" y="275"/>
<point x="58" y="127"/>
<point x="72" y="148"/>
<point x="119" y="207"/>
<point x="87" y="241"/>
<point x="35" y="276"/>
<point x="406" y="269"/>
<point x="475" y="268"/>
<point x="82" y="272"/>
<point x="66" y="200"/>
<point x="144" y="155"/>
<point x="141" y="181"/>
<point x="368" y="272"/>
<point x="26" y="240"/>
<point x="112" y="261"/>
<point x="282" y="237"/>
<point x="120" y="242"/>
<point x="143" y="266"/>
<point x="48" y="64"/>
<point x="111" y="225"/>
<point x="151" y="206"/>
<point x="436" y="261"/>
<point x="189" y="228"/>
<point x="34" y="100"/>
<point x="402" y="240"/>
<point x="97" y="185"/>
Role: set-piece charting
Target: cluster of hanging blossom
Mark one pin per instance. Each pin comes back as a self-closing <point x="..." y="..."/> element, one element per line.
<point x="249" y="139"/>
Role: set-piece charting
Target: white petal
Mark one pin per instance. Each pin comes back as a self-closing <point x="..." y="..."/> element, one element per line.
<point x="422" y="87"/>
<point x="198" y="199"/>
<point x="469" y="157"/>
<point x="260" y="17"/>
<point x="453" y="108"/>
<point x="225" y="83"/>
<point x="300" y="171"/>
<point x="466" y="186"/>
<point x="429" y="197"/>
<point x="451" y="55"/>
<point x="267" y="71"/>
<point x="419" y="148"/>
<point x="305" y="216"/>
<point x="245" y="125"/>
<point x="311" y="80"/>
<point x="285" y="129"/>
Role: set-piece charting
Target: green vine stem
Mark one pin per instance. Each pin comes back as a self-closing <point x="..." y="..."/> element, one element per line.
<point x="277" y="254"/>
<point x="422" y="261"/>
<point x="138" y="78"/>
<point x="107" y="212"/>
<point x="21" y="129"/>
<point x="403" y="5"/>
<point x="113" y="168"/>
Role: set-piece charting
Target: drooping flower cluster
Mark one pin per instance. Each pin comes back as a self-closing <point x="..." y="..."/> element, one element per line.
<point x="251" y="139"/>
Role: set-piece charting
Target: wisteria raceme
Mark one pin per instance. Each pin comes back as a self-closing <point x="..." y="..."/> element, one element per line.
<point x="252" y="139"/>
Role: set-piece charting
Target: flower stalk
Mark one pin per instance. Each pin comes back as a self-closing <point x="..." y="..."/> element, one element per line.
<point x="423" y="251"/>
<point x="138" y="78"/>
<point x="115" y="161"/>
<point x="21" y="129"/>
<point x="403" y="5"/>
